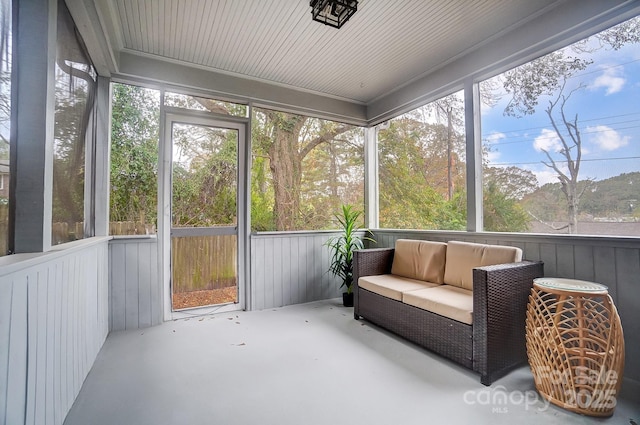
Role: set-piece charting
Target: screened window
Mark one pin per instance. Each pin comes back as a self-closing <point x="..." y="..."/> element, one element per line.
<point x="135" y="124"/>
<point x="422" y="168"/>
<point x="561" y="140"/>
<point x="303" y="169"/>
<point x="75" y="90"/>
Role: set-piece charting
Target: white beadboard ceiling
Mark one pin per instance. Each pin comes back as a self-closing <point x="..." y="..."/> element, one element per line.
<point x="385" y="45"/>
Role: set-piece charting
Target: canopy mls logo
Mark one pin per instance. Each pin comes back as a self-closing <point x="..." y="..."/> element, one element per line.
<point x="499" y="399"/>
<point x="584" y="388"/>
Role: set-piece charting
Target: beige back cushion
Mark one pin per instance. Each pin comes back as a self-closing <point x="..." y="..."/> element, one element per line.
<point x="463" y="257"/>
<point x="421" y="260"/>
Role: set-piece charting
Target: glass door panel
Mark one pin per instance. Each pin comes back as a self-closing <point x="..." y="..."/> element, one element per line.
<point x="204" y="242"/>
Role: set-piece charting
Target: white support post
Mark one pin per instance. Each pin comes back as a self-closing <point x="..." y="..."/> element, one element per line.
<point x="33" y="113"/>
<point x="474" y="156"/>
<point x="245" y="210"/>
<point x="371" y="200"/>
<point x="164" y="210"/>
<point x="102" y="156"/>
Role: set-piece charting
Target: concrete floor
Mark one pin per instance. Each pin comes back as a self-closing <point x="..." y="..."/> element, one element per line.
<point x="304" y="364"/>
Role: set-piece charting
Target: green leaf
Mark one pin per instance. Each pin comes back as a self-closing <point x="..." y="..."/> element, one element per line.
<point x="342" y="246"/>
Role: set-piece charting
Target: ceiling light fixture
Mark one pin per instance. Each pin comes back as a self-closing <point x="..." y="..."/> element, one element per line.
<point x="333" y="12"/>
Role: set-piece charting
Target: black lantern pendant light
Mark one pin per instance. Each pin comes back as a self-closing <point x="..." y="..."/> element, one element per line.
<point x="333" y="12"/>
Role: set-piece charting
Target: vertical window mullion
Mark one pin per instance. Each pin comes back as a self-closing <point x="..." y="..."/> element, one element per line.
<point x="371" y="192"/>
<point x="474" y="156"/>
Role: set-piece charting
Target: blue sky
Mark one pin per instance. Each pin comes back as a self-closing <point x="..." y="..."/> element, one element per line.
<point x="608" y="109"/>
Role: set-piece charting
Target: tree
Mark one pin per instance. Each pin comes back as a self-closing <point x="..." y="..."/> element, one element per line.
<point x="286" y="194"/>
<point x="514" y="182"/>
<point x="205" y="165"/>
<point x="449" y="112"/>
<point x="413" y="173"/>
<point x="548" y="76"/>
<point x="204" y="104"/>
<point x="298" y="163"/>
<point x="286" y="140"/>
<point x="547" y="204"/>
<point x="262" y="198"/>
<point x="571" y="151"/>
<point x="332" y="176"/>
<point x="134" y="154"/>
<point x="503" y="189"/>
<point x="282" y="144"/>
<point x="501" y="212"/>
<point x="613" y="197"/>
<point x="205" y="169"/>
<point x="617" y="196"/>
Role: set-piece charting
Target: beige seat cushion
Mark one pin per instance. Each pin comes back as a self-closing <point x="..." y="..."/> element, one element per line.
<point x="463" y="257"/>
<point x="421" y="260"/>
<point x="445" y="300"/>
<point x="392" y="286"/>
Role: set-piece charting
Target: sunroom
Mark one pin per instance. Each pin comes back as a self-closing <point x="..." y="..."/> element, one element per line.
<point x="167" y="165"/>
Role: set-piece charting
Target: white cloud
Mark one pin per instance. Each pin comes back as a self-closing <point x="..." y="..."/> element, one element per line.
<point x="607" y="138"/>
<point x="546" y="176"/>
<point x="610" y="79"/>
<point x="547" y="140"/>
<point x="493" y="156"/>
<point x="495" y="137"/>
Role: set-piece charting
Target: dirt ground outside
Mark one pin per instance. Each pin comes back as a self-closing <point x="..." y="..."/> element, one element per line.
<point x="205" y="297"/>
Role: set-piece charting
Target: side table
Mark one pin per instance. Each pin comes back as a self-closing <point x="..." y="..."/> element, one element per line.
<point x="575" y="345"/>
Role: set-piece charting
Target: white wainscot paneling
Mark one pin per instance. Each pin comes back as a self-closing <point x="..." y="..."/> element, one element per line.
<point x="53" y="322"/>
<point x="136" y="288"/>
<point x="290" y="268"/>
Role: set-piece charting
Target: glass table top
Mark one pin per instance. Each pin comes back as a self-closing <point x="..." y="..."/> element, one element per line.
<point x="573" y="285"/>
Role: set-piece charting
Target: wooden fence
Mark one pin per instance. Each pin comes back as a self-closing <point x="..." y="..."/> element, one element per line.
<point x="198" y="263"/>
<point x="65" y="232"/>
<point x="117" y="228"/>
<point x="203" y="262"/>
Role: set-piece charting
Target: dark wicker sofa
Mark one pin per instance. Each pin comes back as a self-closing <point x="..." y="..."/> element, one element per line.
<point x="495" y="342"/>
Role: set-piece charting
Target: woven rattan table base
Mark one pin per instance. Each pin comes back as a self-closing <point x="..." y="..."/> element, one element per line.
<point x="575" y="348"/>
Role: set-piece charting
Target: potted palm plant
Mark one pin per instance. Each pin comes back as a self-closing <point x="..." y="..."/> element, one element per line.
<point x="342" y="246"/>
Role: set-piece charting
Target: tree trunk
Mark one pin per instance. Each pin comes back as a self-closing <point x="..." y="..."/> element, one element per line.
<point x="286" y="153"/>
<point x="572" y="210"/>
<point x="286" y="165"/>
<point x="333" y="173"/>
<point x="572" y="141"/>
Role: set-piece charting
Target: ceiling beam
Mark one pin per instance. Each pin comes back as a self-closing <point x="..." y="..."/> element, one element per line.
<point x="245" y="90"/>
<point x="87" y="20"/>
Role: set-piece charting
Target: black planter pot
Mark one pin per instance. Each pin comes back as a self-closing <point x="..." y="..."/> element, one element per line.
<point x="347" y="299"/>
